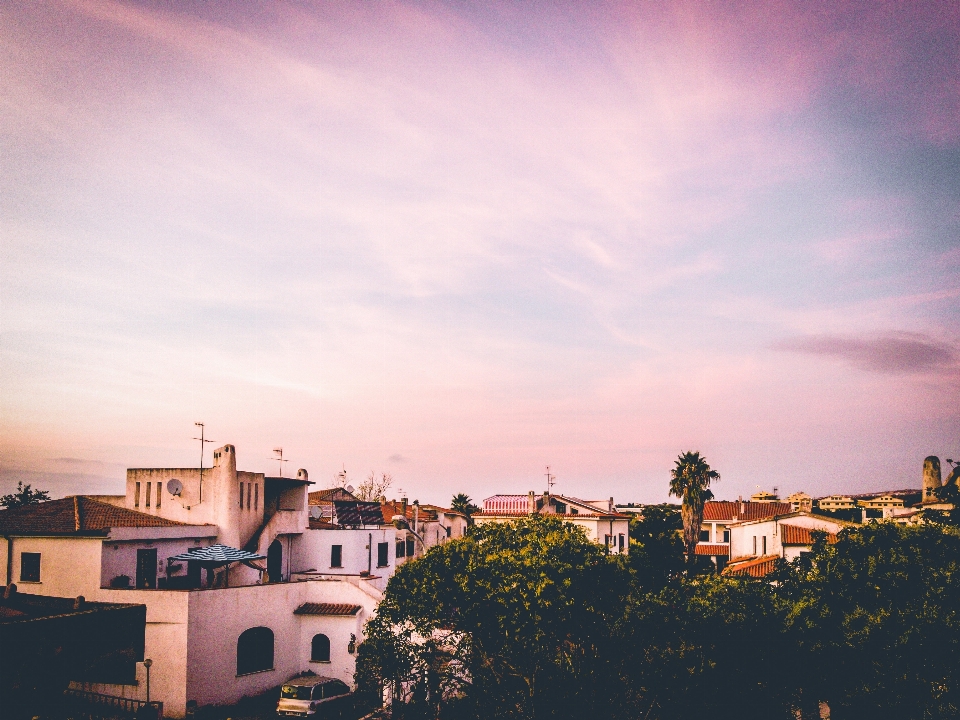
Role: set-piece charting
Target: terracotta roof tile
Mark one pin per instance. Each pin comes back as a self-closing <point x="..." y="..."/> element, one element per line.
<point x="75" y="515"/>
<point x="712" y="549"/>
<point x="796" y="535"/>
<point x="756" y="567"/>
<point x="717" y="510"/>
<point x="345" y="609"/>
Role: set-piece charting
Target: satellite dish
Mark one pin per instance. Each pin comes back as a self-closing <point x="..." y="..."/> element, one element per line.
<point x="349" y="488"/>
<point x="315" y="512"/>
<point x="174" y="487"/>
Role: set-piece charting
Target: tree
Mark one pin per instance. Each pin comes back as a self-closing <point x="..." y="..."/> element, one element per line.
<point x="656" y="545"/>
<point x="690" y="481"/>
<point x="24" y="496"/>
<point x="374" y="488"/>
<point x="462" y="504"/>
<point x="511" y="621"/>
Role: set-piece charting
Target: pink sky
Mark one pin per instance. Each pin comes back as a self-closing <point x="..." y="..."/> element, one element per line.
<point x="459" y="243"/>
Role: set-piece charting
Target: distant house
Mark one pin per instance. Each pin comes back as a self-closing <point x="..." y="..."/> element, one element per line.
<point x="720" y="515"/>
<point x="764" y="497"/>
<point x="837" y="502"/>
<point x="426" y="526"/>
<point x="601" y="521"/>
<point x="801" y="502"/>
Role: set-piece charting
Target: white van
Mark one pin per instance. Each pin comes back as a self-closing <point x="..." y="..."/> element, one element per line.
<point x="314" y="696"/>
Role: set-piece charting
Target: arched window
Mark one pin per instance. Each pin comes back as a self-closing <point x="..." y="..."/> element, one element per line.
<point x="255" y="650"/>
<point x="320" y="648"/>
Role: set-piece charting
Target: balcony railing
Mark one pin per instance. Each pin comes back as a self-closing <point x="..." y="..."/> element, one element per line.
<point x="100" y="705"/>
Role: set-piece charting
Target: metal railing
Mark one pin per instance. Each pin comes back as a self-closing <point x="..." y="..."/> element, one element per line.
<point x="98" y="704"/>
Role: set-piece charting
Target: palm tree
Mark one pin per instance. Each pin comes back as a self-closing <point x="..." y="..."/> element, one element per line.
<point x="462" y="504"/>
<point x="690" y="481"/>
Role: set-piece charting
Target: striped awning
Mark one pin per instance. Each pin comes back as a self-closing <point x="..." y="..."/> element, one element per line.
<point x="217" y="555"/>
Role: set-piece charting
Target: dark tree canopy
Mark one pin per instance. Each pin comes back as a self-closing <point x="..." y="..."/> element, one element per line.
<point x="24" y="496"/>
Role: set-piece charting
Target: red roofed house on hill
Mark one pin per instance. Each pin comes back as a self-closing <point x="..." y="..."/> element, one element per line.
<point x="601" y="521"/>
<point x="720" y="515"/>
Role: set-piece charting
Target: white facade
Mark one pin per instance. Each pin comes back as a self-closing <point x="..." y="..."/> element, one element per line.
<point x="761" y="538"/>
<point x="192" y="634"/>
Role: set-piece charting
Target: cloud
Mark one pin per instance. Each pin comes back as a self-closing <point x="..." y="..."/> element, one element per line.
<point x="896" y="353"/>
<point x="397" y="458"/>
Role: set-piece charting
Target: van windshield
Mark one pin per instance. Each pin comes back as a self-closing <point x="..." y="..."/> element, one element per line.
<point x="295" y="692"/>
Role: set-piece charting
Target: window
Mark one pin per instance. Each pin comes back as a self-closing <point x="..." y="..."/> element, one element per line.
<point x="29" y="567"/>
<point x="320" y="648"/>
<point x="754" y="544"/>
<point x="726" y="536"/>
<point x="401" y="548"/>
<point x="410" y="548"/>
<point x="574" y="511"/>
<point x="136" y="495"/>
<point x="248" y="494"/>
<point x="255" y="650"/>
<point x="764" y="544"/>
<point x="704" y="536"/>
<point x="622" y="540"/>
<point x="158" y="495"/>
<point x="332" y="689"/>
<point x="256" y="496"/>
<point x="383" y="554"/>
<point x="336" y="556"/>
<point x="241" y="496"/>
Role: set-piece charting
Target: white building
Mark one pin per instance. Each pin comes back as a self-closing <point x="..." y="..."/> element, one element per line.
<point x="602" y="523"/>
<point x="423" y="527"/>
<point x="720" y="515"/>
<point x="755" y="545"/>
<point x="216" y="635"/>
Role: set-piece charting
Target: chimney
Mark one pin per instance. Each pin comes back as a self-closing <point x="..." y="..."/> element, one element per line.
<point x="531" y="504"/>
<point x="546" y="502"/>
<point x="610" y="505"/>
<point x="79" y="602"/>
<point x="931" y="477"/>
<point x="302" y="474"/>
<point x="403" y="506"/>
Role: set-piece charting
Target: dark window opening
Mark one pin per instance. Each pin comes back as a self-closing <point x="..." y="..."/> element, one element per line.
<point x="147" y="504"/>
<point x="136" y="495"/>
<point x="383" y="554"/>
<point x="336" y="556"/>
<point x="29" y="567"/>
<point x="401" y="549"/>
<point x="255" y="650"/>
<point x="704" y="536"/>
<point x="158" y="495"/>
<point x="726" y="536"/>
<point x="241" y="496"/>
<point x="764" y="544"/>
<point x="622" y="540"/>
<point x="320" y="648"/>
<point x="410" y="548"/>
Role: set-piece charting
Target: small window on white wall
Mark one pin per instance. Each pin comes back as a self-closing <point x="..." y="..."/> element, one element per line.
<point x="320" y="648"/>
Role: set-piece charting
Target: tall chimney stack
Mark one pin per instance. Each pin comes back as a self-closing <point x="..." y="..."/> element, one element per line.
<point x="931" y="477"/>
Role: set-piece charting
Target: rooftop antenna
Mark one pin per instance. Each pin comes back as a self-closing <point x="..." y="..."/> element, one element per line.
<point x="278" y="451"/>
<point x="775" y="489"/>
<point x="203" y="441"/>
<point x="551" y="479"/>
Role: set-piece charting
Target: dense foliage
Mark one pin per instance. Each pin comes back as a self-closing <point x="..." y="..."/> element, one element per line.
<point x="24" y="495"/>
<point x="531" y="620"/>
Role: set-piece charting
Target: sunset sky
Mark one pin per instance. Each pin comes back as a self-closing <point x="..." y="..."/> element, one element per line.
<point x="459" y="242"/>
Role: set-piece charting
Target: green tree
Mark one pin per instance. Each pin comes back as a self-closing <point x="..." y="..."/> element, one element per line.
<point x="690" y="481"/>
<point x="511" y="621"/>
<point x="656" y="545"/>
<point x="462" y="504"/>
<point x="24" y="496"/>
<point x="874" y="621"/>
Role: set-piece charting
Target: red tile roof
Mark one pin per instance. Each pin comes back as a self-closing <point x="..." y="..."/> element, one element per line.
<point x="712" y="549"/>
<point x="76" y="515"/>
<point x="752" y="567"/>
<point x="327" y="609"/>
<point x="717" y="510"/>
<point x="567" y="516"/>
<point x="329" y="495"/>
<point x="796" y="535"/>
<point x="392" y="507"/>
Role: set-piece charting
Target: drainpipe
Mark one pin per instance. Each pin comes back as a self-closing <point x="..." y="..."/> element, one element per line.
<point x="9" y="540"/>
<point x="369" y="552"/>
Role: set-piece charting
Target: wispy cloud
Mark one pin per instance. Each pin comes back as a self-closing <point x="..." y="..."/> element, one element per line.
<point x="896" y="353"/>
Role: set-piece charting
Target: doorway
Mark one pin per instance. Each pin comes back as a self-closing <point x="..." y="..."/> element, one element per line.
<point x="275" y="561"/>
<point x="147" y="568"/>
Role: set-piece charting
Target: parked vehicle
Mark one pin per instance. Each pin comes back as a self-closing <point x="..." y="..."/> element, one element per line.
<point x="314" y="696"/>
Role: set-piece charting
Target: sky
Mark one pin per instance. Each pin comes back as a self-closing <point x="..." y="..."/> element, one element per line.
<point x="460" y="242"/>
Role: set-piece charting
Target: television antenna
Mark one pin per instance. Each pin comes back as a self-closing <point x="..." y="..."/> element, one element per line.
<point x="551" y="479"/>
<point x="278" y="451"/>
<point x="203" y="441"/>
